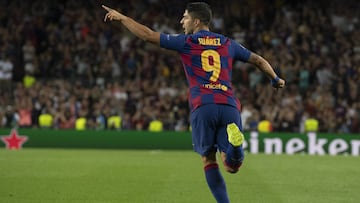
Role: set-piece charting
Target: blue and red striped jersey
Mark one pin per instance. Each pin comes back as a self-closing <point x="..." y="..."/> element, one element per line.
<point x="207" y="59"/>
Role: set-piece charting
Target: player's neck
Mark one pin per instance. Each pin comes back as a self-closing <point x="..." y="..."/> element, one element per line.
<point x="206" y="28"/>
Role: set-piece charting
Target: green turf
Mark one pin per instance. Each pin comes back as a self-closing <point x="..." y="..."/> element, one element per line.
<point x="49" y="175"/>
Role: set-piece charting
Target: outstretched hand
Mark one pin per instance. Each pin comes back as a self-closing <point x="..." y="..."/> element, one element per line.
<point x="112" y="14"/>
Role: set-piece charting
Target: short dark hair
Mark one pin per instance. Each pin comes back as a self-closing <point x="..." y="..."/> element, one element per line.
<point x="201" y="11"/>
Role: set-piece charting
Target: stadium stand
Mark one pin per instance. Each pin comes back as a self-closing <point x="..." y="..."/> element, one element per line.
<point x="61" y="56"/>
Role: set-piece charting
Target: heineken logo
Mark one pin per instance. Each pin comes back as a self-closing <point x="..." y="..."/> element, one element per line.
<point x="310" y="144"/>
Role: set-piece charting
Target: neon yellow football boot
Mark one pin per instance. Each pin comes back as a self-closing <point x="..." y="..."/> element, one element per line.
<point x="235" y="136"/>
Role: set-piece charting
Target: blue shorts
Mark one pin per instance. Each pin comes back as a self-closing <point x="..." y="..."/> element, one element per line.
<point x="208" y="123"/>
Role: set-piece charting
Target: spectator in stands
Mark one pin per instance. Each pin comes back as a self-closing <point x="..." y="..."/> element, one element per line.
<point x="10" y="118"/>
<point x="64" y="119"/>
<point x="155" y="125"/>
<point x="264" y="125"/>
<point x="24" y="110"/>
<point x="6" y="72"/>
<point x="46" y="119"/>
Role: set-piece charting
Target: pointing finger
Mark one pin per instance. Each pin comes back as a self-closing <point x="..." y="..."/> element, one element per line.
<point x="106" y="8"/>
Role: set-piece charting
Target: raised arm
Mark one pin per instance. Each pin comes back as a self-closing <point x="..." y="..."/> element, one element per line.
<point x="266" y="68"/>
<point x="136" y="28"/>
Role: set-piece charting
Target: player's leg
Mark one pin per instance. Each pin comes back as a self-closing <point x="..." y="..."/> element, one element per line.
<point x="230" y="139"/>
<point x="203" y="122"/>
<point x="214" y="178"/>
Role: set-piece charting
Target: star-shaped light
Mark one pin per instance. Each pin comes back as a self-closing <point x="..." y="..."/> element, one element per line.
<point x="14" y="140"/>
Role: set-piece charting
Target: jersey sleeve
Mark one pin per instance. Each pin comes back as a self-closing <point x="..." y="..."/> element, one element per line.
<point x="172" y="42"/>
<point x="240" y="53"/>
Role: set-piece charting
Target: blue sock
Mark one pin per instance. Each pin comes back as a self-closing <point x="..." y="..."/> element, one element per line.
<point x="234" y="156"/>
<point x="216" y="183"/>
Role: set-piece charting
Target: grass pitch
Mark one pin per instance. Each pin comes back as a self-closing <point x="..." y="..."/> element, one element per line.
<point x="53" y="175"/>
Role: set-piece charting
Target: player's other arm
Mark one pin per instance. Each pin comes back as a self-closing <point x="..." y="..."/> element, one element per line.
<point x="136" y="28"/>
<point x="266" y="68"/>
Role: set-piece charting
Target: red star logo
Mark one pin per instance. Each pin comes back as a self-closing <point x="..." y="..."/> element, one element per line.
<point x="14" y="140"/>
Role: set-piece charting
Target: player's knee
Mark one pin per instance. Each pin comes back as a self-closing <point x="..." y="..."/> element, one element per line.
<point x="209" y="159"/>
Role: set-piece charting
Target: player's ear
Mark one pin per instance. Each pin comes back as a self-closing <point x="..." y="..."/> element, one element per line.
<point x="197" y="22"/>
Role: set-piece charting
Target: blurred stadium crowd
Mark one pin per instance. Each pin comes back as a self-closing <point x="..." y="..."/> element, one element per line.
<point x="59" y="58"/>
